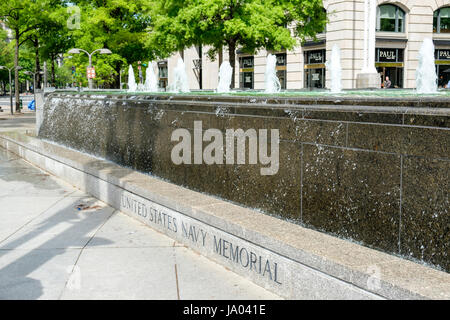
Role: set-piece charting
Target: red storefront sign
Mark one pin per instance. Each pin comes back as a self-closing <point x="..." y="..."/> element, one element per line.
<point x="91" y="73"/>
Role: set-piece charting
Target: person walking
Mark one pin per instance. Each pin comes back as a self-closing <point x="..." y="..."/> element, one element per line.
<point x="441" y="82"/>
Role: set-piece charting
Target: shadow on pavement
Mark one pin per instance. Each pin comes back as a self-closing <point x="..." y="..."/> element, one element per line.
<point x="37" y="243"/>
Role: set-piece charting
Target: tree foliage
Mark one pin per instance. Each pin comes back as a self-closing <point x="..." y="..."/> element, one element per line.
<point x="119" y="25"/>
<point x="6" y="50"/>
<point x="143" y="30"/>
<point x="54" y="38"/>
<point x="248" y="24"/>
<point x="24" y="18"/>
<point x="6" y="58"/>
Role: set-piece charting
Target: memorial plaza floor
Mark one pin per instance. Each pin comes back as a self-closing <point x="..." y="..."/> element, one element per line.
<point x="57" y="242"/>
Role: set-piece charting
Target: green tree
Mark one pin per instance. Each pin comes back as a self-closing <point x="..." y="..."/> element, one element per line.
<point x="63" y="76"/>
<point x="54" y="44"/>
<point x="6" y="59"/>
<point x="104" y="68"/>
<point x="27" y="60"/>
<point x="51" y="37"/>
<point x="248" y="24"/>
<point x="55" y="39"/>
<point x="118" y="25"/>
<point x="23" y="17"/>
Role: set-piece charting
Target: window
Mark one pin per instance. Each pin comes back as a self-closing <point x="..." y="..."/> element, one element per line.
<point x="390" y="18"/>
<point x="281" y="69"/>
<point x="389" y="63"/>
<point x="441" y="20"/>
<point x="386" y="55"/>
<point x="246" y="72"/>
<point x="163" y="74"/>
<point x="315" y="69"/>
<point x="442" y="65"/>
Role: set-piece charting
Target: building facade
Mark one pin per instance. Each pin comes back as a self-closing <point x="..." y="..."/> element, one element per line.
<point x="401" y="27"/>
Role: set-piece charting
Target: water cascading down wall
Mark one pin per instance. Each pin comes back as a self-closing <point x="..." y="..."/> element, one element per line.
<point x="370" y="170"/>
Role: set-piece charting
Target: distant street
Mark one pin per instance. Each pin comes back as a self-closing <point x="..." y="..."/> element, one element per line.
<point x="4" y="101"/>
<point x="25" y="121"/>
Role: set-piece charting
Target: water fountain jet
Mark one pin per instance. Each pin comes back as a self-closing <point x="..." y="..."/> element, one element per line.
<point x="334" y="65"/>
<point x="180" y="83"/>
<point x="271" y="80"/>
<point x="132" y="86"/>
<point x="151" y="80"/>
<point x="225" y="75"/>
<point x="426" y="78"/>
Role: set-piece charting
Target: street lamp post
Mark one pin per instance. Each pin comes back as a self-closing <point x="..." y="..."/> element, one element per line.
<point x="10" y="85"/>
<point x="102" y="51"/>
<point x="31" y="73"/>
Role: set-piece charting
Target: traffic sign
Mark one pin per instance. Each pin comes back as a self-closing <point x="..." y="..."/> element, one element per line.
<point x="91" y="73"/>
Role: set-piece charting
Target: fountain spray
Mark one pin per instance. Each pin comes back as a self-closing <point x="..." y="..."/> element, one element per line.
<point x="334" y="65"/>
<point x="180" y="83"/>
<point x="426" y="78"/>
<point x="151" y="80"/>
<point x="271" y="80"/>
<point x="132" y="86"/>
<point x="225" y="74"/>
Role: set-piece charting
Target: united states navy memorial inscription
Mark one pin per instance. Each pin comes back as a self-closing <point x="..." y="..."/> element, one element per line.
<point x="174" y="223"/>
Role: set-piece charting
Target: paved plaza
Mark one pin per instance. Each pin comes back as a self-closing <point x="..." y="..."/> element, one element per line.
<point x="57" y="242"/>
<point x="24" y="121"/>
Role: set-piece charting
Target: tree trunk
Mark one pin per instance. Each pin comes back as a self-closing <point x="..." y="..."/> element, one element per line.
<point x="16" y="70"/>
<point x="200" y="72"/>
<point x="116" y="83"/>
<point x="53" y="73"/>
<point x="38" y="64"/>
<point x="232" y="58"/>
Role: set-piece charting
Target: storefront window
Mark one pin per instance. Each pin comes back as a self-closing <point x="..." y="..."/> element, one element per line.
<point x="246" y="72"/>
<point x="281" y="69"/>
<point x="315" y="69"/>
<point x="163" y="74"/>
<point x="389" y="63"/>
<point x="390" y="18"/>
<point x="443" y="67"/>
<point x="441" y="20"/>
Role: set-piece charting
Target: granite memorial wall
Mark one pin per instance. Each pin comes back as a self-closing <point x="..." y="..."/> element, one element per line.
<point x="370" y="170"/>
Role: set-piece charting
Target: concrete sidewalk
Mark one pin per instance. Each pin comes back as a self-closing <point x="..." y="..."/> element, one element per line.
<point x="58" y="243"/>
<point x="24" y="121"/>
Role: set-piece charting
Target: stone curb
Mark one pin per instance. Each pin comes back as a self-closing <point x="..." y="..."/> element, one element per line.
<point x="285" y="258"/>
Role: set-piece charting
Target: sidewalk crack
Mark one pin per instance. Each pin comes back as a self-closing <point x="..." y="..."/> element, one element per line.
<point x="81" y="252"/>
<point x="176" y="271"/>
<point x="34" y="218"/>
